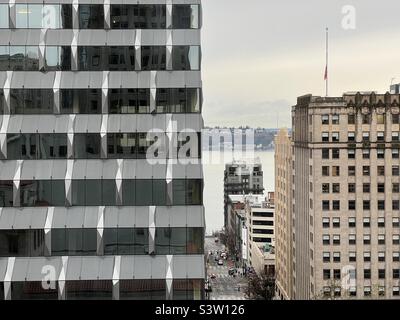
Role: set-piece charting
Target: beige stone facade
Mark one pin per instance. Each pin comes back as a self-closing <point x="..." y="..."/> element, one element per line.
<point x="283" y="215"/>
<point x="346" y="196"/>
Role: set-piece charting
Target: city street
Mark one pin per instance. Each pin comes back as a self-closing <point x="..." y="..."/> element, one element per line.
<point x="224" y="286"/>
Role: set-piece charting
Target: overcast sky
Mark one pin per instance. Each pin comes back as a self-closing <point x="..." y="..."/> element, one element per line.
<point x="260" y="55"/>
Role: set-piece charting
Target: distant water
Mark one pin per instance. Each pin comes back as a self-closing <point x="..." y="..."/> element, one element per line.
<point x="214" y="185"/>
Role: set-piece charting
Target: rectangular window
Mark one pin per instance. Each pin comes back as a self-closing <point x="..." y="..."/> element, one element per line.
<point x="153" y="58"/>
<point x="87" y="145"/>
<point x="122" y="145"/>
<point x="91" y="16"/>
<point x="185" y="16"/>
<point x="351" y="188"/>
<point x="325" y="119"/>
<point x="351" y="171"/>
<point x="351" y="119"/>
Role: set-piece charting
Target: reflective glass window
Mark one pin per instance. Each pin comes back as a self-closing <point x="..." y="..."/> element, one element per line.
<point x="121" y="145"/>
<point x="185" y="16"/>
<point x="121" y="58"/>
<point x="194" y="191"/>
<point x="178" y="241"/>
<point x="87" y="145"/>
<point x="4" y="58"/>
<point x="89" y="290"/>
<point x="153" y="58"/>
<point x="150" y="17"/>
<point x="4" y="16"/>
<point x="14" y="146"/>
<point x="59" y="242"/>
<point x="144" y="192"/>
<point x="123" y="100"/>
<point x="81" y="101"/>
<point x="91" y="16"/>
<point x="91" y="58"/>
<point x="179" y="191"/>
<point x="128" y="192"/>
<point x="78" y="188"/>
<point x="32" y="58"/>
<point x="126" y="245"/>
<point x="162" y="100"/>
<point x="52" y="58"/>
<point x="143" y="100"/>
<point x="66" y="16"/>
<point x="93" y="192"/>
<point x="17" y="58"/>
<point x="179" y="289"/>
<point x="58" y="193"/>
<point x="138" y="289"/>
<point x="6" y="193"/>
<point x="33" y="290"/>
<point x="109" y="192"/>
<point x="144" y="142"/>
<point x="186" y="58"/>
<point x="159" y="192"/>
<point x="29" y="144"/>
<point x="193" y="100"/>
<point x="195" y="243"/>
<point x="110" y="241"/>
<point x="162" y="240"/>
<point x="21" y="15"/>
<point x="51" y="16"/>
<point x="141" y="238"/>
<point x="178" y="100"/>
<point x="22" y="243"/>
<point x="35" y="16"/>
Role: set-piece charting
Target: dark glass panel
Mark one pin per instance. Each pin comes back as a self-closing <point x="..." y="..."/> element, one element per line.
<point x="59" y="242"/>
<point x="65" y="58"/>
<point x="32" y="58"/>
<point x="185" y="57"/>
<point x="4" y="58"/>
<point x="33" y="290"/>
<point x="17" y="58"/>
<point x="87" y="145"/>
<point x="91" y="16"/>
<point x="178" y="241"/>
<point x="66" y="16"/>
<point x="17" y="101"/>
<point x="195" y="243"/>
<point x="58" y="193"/>
<point x="178" y="100"/>
<point x="121" y="58"/>
<point x="109" y="190"/>
<point x="179" y="191"/>
<point x="141" y="239"/>
<point x="193" y="100"/>
<point x="93" y="192"/>
<point x="44" y="193"/>
<point x="158" y="289"/>
<point x="144" y="142"/>
<point x="144" y="192"/>
<point x="143" y="102"/>
<point x="153" y="58"/>
<point x="6" y="193"/>
<point x="150" y="17"/>
<point x="29" y="146"/>
<point x="89" y="245"/>
<point x="162" y="97"/>
<point x="121" y="145"/>
<point x="163" y="240"/>
<point x="14" y="146"/>
<point x="194" y="192"/>
<point x="21" y="243"/>
<point x="159" y="192"/>
<point x="89" y="290"/>
<point x="78" y="188"/>
<point x="179" y="289"/>
<point x="128" y="192"/>
<point x="74" y="238"/>
<point x="28" y="193"/>
<point x="91" y="58"/>
<point x="110" y="240"/>
<point x="126" y="243"/>
<point x="135" y="289"/>
<point x="185" y="16"/>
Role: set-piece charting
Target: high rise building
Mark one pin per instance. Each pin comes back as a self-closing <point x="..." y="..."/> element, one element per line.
<point x="241" y="178"/>
<point x="346" y="196"/>
<point x="284" y="215"/>
<point x="101" y="112"/>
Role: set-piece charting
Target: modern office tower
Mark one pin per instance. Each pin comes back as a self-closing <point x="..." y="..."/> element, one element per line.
<point x="283" y="215"/>
<point x="100" y="178"/>
<point x="346" y="196"/>
<point x="241" y="177"/>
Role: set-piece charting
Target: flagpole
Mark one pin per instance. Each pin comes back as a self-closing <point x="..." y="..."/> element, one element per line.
<point x="327" y="61"/>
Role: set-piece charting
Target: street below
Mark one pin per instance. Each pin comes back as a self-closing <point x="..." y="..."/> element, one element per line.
<point x="224" y="286"/>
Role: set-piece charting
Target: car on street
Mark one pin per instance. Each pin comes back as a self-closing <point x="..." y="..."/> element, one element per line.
<point x="213" y="276"/>
<point x="216" y="258"/>
<point x="232" y="271"/>
<point x="216" y="240"/>
<point x="220" y="262"/>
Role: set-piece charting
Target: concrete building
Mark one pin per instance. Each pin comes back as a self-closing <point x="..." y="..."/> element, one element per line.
<point x="241" y="178"/>
<point x="346" y="196"/>
<point x="260" y="225"/>
<point x="100" y="101"/>
<point x="284" y="215"/>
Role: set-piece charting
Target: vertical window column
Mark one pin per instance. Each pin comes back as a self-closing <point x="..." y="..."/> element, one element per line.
<point x="138" y="49"/>
<point x="56" y="93"/>
<point x="16" y="184"/>
<point x="152" y="229"/>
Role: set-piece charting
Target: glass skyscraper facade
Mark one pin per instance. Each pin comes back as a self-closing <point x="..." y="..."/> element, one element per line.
<point x="101" y="181"/>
